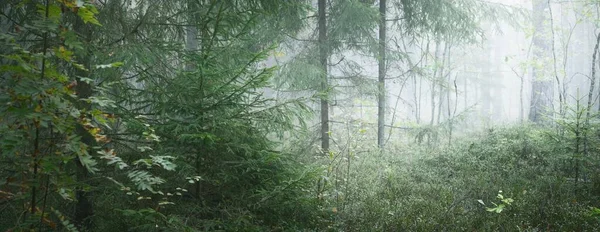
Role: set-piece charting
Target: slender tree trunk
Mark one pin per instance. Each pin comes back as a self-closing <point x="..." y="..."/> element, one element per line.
<point x="381" y="76"/>
<point x="84" y="206"/>
<point x="448" y="107"/>
<point x="441" y="79"/>
<point x="448" y="89"/>
<point x="434" y="80"/>
<point x="323" y="55"/>
<point x="36" y="154"/>
<point x="416" y="98"/>
<point x="466" y="89"/>
<point x="577" y="156"/>
<point x="591" y="92"/>
<point x="420" y="96"/>
<point x="413" y="78"/>
<point x="191" y="35"/>
<point x="522" y="85"/>
<point x="191" y="47"/>
<point x="432" y="102"/>
<point x="419" y="100"/>
<point x="521" y="104"/>
<point x="440" y="99"/>
<point x="558" y="83"/>
<point x="486" y="86"/>
<point x="542" y="90"/>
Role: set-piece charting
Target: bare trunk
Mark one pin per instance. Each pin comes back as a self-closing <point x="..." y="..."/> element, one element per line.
<point x="521" y="108"/>
<point x="441" y="80"/>
<point x="466" y="89"/>
<point x="542" y="90"/>
<point x="558" y="83"/>
<point x="191" y="47"/>
<point x="434" y="80"/>
<point x="84" y="206"/>
<point x="381" y="76"/>
<point x="416" y="98"/>
<point x="323" y="55"/>
<point x="591" y="91"/>
<point x="448" y="108"/>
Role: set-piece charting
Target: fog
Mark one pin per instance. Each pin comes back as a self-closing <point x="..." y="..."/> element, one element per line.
<point x="477" y="81"/>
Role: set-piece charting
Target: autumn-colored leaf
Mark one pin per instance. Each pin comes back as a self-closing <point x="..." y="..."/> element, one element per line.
<point x="72" y="85"/>
<point x="47" y="221"/>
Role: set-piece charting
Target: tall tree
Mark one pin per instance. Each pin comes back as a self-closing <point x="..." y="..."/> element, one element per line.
<point x="84" y="208"/>
<point x="323" y="56"/>
<point x="542" y="89"/>
<point x="381" y="75"/>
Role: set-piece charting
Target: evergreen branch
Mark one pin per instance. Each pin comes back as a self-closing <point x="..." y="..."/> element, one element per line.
<point x="133" y="31"/>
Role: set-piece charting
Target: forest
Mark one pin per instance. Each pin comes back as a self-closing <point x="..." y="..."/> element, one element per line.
<point x="299" y="115"/>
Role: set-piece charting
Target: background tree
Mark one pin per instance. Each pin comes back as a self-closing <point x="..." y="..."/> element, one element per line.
<point x="381" y="75"/>
<point x="323" y="57"/>
<point x="542" y="89"/>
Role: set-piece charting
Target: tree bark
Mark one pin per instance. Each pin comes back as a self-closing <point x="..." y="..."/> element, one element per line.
<point x="191" y="47"/>
<point x="542" y="91"/>
<point x="434" y="80"/>
<point x="381" y="76"/>
<point x="442" y="83"/>
<point x="592" y="78"/>
<point x="591" y="93"/>
<point x="84" y="208"/>
<point x="521" y="104"/>
<point x="323" y="55"/>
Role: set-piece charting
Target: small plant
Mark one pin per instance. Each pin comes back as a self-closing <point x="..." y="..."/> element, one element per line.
<point x="498" y="208"/>
<point x="594" y="212"/>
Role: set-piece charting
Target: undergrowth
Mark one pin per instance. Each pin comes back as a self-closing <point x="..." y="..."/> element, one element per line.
<point x="461" y="187"/>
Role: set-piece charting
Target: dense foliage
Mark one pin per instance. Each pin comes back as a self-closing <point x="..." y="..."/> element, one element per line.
<point x="129" y="115"/>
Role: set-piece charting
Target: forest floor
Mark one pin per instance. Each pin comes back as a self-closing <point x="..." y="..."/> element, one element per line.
<point x="508" y="179"/>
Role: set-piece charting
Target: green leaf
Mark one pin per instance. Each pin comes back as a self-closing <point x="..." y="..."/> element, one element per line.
<point x="79" y="66"/>
<point x="67" y="194"/>
<point x="164" y="162"/>
<point x="166" y="203"/>
<point x="54" y="13"/>
<point x="112" y="158"/>
<point x="71" y="40"/>
<point x="88" y="162"/>
<point x="112" y="65"/>
<point x="88" y="14"/>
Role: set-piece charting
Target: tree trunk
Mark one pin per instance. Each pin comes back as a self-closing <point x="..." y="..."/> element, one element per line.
<point x="465" y="88"/>
<point x="323" y="55"/>
<point x="416" y="98"/>
<point x="542" y="91"/>
<point x="420" y="96"/>
<point x="191" y="35"/>
<point x="591" y="92"/>
<point x="381" y="76"/>
<point x="84" y="209"/>
<point x="442" y="82"/>
<point x="191" y="47"/>
<point x="434" y="80"/>
<point x="561" y="87"/>
<point x="521" y="108"/>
